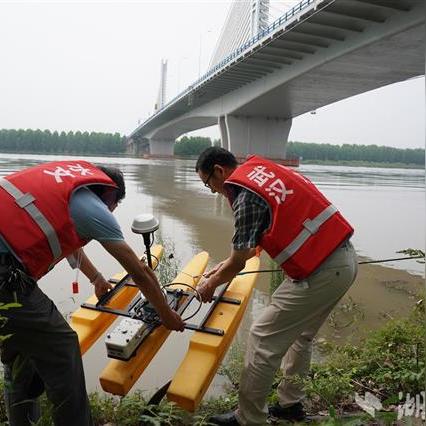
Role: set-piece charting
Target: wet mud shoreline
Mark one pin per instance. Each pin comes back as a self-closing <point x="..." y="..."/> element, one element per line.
<point x="379" y="294"/>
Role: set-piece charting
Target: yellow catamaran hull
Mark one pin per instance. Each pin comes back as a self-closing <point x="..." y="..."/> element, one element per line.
<point x="90" y="324"/>
<point x="206" y="351"/>
<point x="118" y="377"/>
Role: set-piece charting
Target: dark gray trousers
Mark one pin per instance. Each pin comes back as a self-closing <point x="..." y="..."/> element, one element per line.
<point x="43" y="353"/>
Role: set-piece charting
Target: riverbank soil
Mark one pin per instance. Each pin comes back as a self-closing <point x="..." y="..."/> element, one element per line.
<point x="379" y="294"/>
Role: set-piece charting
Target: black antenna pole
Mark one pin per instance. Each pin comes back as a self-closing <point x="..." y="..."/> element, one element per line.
<point x="147" y="242"/>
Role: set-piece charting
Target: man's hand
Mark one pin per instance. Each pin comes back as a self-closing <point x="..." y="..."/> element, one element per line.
<point x="172" y="320"/>
<point x="223" y="272"/>
<point x="206" y="291"/>
<point x="213" y="270"/>
<point x="102" y="286"/>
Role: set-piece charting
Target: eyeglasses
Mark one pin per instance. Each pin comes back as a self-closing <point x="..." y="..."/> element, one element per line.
<point x="206" y="183"/>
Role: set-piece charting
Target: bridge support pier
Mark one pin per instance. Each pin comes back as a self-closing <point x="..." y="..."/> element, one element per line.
<point x="137" y="147"/>
<point x="161" y="147"/>
<point x="131" y="147"/>
<point x="255" y="135"/>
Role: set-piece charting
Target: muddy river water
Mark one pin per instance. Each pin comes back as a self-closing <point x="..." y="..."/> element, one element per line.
<point x="385" y="206"/>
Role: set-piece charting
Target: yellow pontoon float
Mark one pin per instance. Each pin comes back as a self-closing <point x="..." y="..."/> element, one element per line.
<point x="139" y="336"/>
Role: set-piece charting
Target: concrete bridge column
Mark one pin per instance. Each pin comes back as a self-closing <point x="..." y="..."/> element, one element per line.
<point x="223" y="132"/>
<point x="137" y="147"/>
<point x="161" y="147"/>
<point x="255" y="135"/>
<point x="131" y="147"/>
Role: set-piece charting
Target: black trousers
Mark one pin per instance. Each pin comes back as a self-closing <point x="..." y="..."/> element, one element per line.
<point x="42" y="353"/>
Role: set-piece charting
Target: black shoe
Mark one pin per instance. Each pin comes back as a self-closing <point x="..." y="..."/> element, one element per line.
<point x="293" y="413"/>
<point x="227" y="419"/>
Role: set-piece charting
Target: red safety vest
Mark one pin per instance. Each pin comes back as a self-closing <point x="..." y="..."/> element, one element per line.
<point x="34" y="218"/>
<point x="305" y="227"/>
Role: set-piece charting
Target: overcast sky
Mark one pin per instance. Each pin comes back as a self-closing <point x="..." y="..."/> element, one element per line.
<point x="95" y="66"/>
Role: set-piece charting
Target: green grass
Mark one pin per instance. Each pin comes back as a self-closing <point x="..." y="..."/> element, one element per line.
<point x="388" y="361"/>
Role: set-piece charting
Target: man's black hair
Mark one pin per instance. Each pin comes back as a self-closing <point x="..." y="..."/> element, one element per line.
<point x="215" y="155"/>
<point x="117" y="176"/>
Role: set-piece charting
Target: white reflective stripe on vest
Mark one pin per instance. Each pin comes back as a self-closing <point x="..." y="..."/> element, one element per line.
<point x="311" y="226"/>
<point x="25" y="201"/>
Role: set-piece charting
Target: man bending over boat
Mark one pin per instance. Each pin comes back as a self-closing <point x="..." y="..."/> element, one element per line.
<point x="49" y="212"/>
<point x="284" y="213"/>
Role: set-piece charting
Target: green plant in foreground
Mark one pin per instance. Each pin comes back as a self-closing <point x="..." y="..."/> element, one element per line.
<point x="218" y="405"/>
<point x="414" y="252"/>
<point x="166" y="413"/>
<point x="3" y="320"/>
<point x="388" y="361"/>
<point x="169" y="265"/>
<point x="103" y="407"/>
<point x="233" y="365"/>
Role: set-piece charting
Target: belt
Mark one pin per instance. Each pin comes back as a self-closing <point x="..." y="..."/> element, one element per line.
<point x="7" y="259"/>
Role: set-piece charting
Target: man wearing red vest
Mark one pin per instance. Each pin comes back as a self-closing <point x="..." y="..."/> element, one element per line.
<point x="49" y="212"/>
<point x="286" y="215"/>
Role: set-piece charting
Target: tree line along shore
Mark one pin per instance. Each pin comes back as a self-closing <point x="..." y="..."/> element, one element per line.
<point x="96" y="143"/>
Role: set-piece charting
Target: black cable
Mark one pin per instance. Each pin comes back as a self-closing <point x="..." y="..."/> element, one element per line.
<point x="139" y="311"/>
<point x="139" y="316"/>
<point x="197" y="295"/>
<point x="359" y="263"/>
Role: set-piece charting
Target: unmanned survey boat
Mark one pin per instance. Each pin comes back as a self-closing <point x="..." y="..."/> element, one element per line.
<point x="139" y="335"/>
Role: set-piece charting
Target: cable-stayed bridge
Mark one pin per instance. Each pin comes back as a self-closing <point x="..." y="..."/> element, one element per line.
<point x="263" y="74"/>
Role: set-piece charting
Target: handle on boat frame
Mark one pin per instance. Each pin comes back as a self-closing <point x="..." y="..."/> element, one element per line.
<point x="190" y="296"/>
<point x="119" y="284"/>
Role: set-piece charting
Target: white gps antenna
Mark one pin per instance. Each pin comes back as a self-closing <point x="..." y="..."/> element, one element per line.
<point x="146" y="224"/>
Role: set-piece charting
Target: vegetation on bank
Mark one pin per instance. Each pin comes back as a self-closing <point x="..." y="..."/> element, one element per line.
<point x="45" y="141"/>
<point x="388" y="362"/>
<point x="359" y="153"/>
<point x="375" y="164"/>
<point x="192" y="146"/>
<point x="311" y="153"/>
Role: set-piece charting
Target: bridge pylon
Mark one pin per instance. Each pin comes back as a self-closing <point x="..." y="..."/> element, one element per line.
<point x="137" y="147"/>
<point x="161" y="147"/>
<point x="266" y="136"/>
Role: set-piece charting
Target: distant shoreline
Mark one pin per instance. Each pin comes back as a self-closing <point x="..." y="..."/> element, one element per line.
<point x="350" y="163"/>
<point x="75" y="154"/>
<point x="355" y="163"/>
